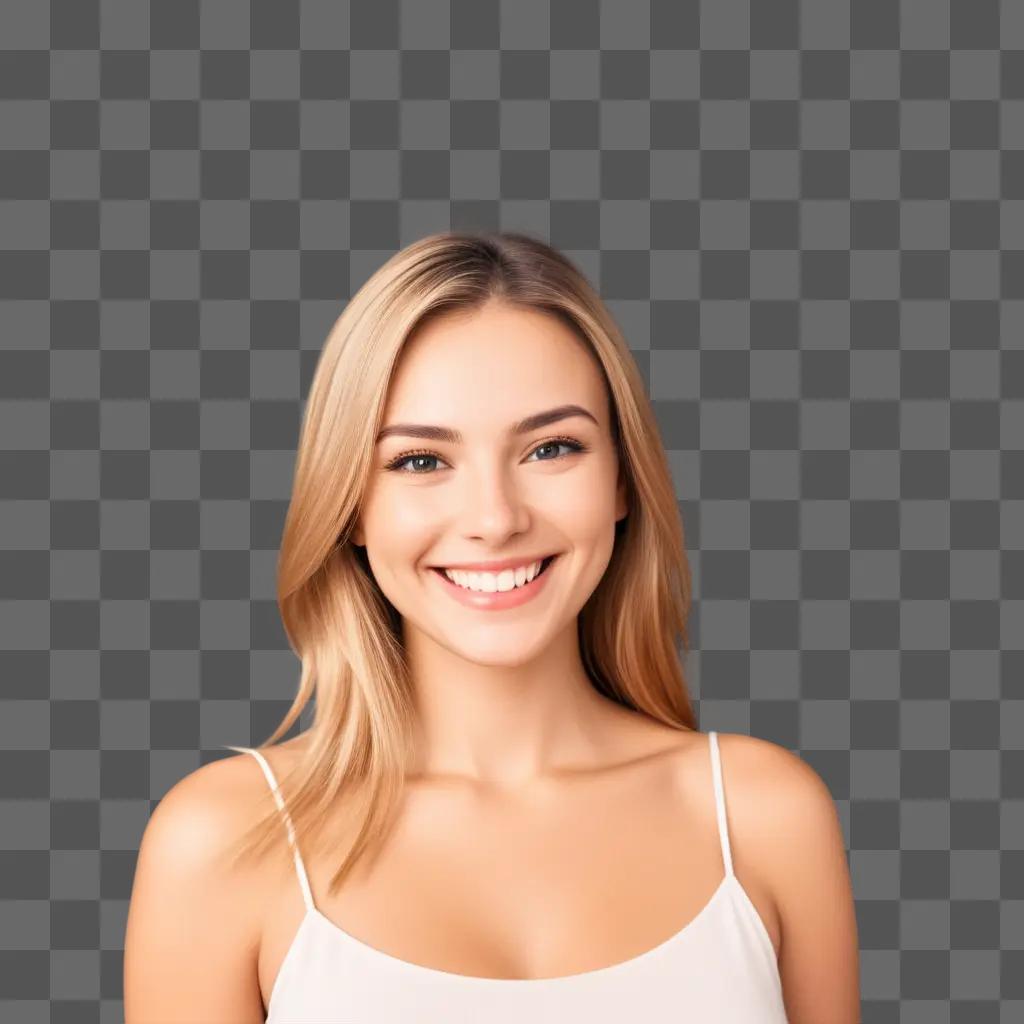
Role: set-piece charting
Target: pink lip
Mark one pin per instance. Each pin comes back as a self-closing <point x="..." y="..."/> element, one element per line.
<point x="496" y="601"/>
<point x="500" y="565"/>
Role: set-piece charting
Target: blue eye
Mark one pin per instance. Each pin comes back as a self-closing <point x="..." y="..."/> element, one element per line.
<point x="574" y="446"/>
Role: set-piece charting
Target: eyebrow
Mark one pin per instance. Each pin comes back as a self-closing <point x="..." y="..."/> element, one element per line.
<point x="450" y="436"/>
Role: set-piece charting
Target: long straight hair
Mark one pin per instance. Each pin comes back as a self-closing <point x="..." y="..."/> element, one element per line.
<point x="632" y="630"/>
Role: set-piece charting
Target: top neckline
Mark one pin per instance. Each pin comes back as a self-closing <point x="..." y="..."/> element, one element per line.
<point x="728" y="883"/>
<point x="438" y="973"/>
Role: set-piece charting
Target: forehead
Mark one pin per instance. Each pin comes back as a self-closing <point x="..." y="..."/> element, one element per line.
<point x="496" y="363"/>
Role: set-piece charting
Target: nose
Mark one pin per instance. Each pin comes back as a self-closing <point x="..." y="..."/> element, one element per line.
<point x="493" y="506"/>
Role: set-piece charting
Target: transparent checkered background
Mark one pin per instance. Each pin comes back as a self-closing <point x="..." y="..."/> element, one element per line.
<point x="808" y="219"/>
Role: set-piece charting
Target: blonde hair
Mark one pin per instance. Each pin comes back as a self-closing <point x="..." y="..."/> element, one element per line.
<point x="347" y="634"/>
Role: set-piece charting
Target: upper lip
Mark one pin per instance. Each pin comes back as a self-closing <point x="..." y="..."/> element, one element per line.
<point x="497" y="566"/>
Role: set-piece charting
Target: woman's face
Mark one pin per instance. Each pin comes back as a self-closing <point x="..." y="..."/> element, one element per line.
<point x="495" y="493"/>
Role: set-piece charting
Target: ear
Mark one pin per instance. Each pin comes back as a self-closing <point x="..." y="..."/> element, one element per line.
<point x="621" y="494"/>
<point x="356" y="535"/>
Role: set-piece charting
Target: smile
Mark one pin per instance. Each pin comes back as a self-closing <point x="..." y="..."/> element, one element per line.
<point x="491" y="582"/>
<point x="496" y="599"/>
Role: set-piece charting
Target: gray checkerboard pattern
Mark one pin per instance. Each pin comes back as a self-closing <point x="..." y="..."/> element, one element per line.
<point x="807" y="217"/>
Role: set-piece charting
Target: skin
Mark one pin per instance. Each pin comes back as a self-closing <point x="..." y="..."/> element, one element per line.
<point x="502" y="697"/>
<point x="515" y="748"/>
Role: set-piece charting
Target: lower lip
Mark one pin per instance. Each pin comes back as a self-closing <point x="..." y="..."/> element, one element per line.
<point x="496" y="601"/>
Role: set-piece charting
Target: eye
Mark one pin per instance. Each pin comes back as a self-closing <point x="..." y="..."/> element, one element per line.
<point x="400" y="461"/>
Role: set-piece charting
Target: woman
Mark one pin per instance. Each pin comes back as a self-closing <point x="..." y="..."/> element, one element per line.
<point x="503" y="809"/>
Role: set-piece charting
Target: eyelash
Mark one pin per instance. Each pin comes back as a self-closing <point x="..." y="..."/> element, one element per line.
<point x="396" y="463"/>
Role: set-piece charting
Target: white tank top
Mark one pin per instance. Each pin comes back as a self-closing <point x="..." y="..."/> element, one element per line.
<point x="721" y="966"/>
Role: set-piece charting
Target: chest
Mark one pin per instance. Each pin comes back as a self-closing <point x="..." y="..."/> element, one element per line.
<point x="564" y="881"/>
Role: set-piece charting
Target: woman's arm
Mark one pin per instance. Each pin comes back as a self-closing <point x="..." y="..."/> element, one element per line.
<point x="192" y="936"/>
<point x="805" y="861"/>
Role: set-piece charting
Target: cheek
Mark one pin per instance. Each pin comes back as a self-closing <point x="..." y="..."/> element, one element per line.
<point x="399" y="514"/>
<point x="395" y="535"/>
<point x="589" y="503"/>
<point x="410" y="517"/>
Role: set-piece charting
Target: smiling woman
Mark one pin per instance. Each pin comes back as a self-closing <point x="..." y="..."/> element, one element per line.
<point x="499" y="491"/>
<point x="503" y="808"/>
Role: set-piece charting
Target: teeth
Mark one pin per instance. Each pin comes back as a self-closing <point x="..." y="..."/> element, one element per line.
<point x="489" y="582"/>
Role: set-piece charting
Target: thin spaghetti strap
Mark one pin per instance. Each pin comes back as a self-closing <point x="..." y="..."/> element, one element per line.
<point x="723" y="828"/>
<point x="300" y="868"/>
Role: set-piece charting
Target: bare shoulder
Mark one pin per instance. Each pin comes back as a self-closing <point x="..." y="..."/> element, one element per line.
<point x="792" y="821"/>
<point x="765" y="768"/>
<point x="203" y="814"/>
<point x="783" y="797"/>
<point x="193" y="929"/>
